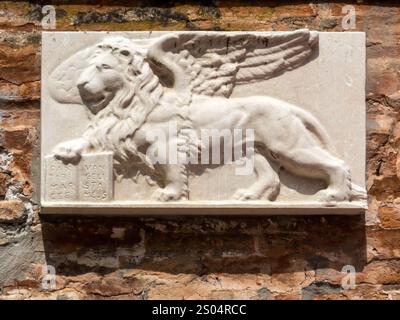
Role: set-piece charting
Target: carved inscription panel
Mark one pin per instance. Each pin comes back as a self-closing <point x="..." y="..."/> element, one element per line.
<point x="96" y="177"/>
<point x="90" y="180"/>
<point x="61" y="181"/>
<point x="269" y="123"/>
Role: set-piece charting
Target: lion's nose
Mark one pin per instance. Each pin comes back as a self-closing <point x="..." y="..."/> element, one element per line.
<point x="81" y="85"/>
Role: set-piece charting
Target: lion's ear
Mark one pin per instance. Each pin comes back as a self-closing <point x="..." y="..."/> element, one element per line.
<point x="63" y="80"/>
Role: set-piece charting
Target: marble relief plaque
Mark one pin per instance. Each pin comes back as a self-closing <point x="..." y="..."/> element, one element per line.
<point x="203" y="122"/>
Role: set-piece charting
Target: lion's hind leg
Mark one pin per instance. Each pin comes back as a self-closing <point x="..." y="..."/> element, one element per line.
<point x="267" y="184"/>
<point x="315" y="162"/>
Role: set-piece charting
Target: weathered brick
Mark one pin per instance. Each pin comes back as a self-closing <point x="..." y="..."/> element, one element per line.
<point x="11" y="210"/>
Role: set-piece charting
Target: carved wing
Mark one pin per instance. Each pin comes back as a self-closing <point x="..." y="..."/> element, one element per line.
<point x="62" y="81"/>
<point x="213" y="63"/>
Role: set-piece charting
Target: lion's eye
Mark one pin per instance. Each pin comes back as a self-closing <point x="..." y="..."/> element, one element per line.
<point x="125" y="52"/>
<point x="105" y="66"/>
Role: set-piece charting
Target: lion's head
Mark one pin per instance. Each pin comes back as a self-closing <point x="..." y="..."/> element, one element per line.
<point x="100" y="81"/>
<point x="113" y="67"/>
<point x="120" y="89"/>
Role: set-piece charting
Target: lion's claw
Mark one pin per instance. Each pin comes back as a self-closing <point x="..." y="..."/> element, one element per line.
<point x="166" y="194"/>
<point x="245" y="194"/>
<point x="332" y="195"/>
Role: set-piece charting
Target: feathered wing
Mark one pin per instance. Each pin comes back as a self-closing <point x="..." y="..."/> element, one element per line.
<point x="207" y="63"/>
<point x="63" y="80"/>
<point x="212" y="63"/>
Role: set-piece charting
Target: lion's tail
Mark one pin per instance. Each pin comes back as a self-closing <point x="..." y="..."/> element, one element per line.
<point x="315" y="127"/>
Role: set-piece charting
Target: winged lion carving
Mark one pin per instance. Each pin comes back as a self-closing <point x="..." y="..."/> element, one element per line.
<point x="132" y="87"/>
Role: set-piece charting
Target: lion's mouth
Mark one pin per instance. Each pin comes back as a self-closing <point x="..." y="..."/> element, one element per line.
<point x="94" y="102"/>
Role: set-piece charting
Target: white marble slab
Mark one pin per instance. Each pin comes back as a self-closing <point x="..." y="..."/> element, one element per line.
<point x="107" y="96"/>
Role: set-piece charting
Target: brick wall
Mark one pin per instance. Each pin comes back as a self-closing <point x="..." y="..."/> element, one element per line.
<point x="196" y="257"/>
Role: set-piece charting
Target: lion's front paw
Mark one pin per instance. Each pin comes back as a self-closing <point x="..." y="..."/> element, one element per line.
<point x="70" y="151"/>
<point x="166" y="194"/>
<point x="245" y="194"/>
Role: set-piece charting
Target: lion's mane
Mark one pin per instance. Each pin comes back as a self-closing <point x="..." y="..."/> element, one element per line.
<point x="114" y="126"/>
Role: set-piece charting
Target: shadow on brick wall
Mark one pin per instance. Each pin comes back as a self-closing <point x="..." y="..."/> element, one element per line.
<point x="203" y="245"/>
